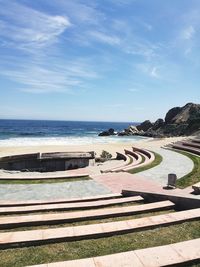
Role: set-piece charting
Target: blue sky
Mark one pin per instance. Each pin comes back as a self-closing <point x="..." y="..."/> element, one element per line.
<point x="104" y="60"/>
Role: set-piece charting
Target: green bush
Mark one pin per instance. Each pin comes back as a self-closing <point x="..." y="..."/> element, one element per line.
<point x="105" y="155"/>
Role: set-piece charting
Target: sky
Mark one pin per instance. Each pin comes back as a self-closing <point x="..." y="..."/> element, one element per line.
<point x="98" y="60"/>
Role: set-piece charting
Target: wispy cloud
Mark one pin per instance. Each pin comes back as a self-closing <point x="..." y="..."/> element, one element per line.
<point x="55" y="78"/>
<point x="104" y="38"/>
<point x="28" y="28"/>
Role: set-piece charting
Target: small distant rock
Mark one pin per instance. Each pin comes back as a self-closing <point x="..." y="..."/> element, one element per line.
<point x="111" y="131"/>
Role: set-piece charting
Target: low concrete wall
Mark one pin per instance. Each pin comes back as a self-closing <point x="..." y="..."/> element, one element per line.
<point x="182" y="202"/>
<point x="51" y="161"/>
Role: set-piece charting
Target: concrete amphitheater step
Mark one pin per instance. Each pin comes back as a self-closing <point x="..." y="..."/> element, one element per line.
<point x="45" y="219"/>
<point x="44" y="177"/>
<point x="4" y="203"/>
<point x="69" y="206"/>
<point x="186" y="148"/>
<point x="135" y="163"/>
<point x="196" y="140"/>
<point x="148" y="156"/>
<point x="37" y="237"/>
<point x="123" y="157"/>
<point x="191" y="144"/>
<point x="186" y="252"/>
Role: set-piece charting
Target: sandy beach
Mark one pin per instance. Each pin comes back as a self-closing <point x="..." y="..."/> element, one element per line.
<point x="112" y="148"/>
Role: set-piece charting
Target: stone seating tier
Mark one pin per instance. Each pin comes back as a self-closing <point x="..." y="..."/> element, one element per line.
<point x="183" y="253"/>
<point x="55" y="218"/>
<point x="37" y="237"/>
<point x="69" y="206"/>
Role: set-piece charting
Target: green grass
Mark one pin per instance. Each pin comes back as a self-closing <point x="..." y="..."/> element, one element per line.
<point x="43" y="181"/>
<point x="96" y="247"/>
<point x="194" y="176"/>
<point x="158" y="159"/>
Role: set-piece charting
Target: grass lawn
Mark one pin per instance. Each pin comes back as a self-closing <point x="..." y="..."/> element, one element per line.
<point x="157" y="161"/>
<point x="44" y="181"/>
<point x="194" y="176"/>
<point x="103" y="246"/>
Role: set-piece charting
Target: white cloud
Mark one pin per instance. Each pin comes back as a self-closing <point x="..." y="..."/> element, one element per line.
<point x="188" y="33"/>
<point x="154" y="72"/>
<point x="149" y="69"/>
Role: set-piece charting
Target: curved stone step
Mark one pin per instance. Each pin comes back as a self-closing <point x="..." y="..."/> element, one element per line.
<point x="120" y="156"/>
<point x="30" y="220"/>
<point x="186" y="148"/>
<point x="35" y="237"/>
<point x="191" y="144"/>
<point x="186" y="252"/>
<point x="69" y="206"/>
<point x="196" y="140"/>
<point x="13" y="203"/>
<point x="136" y="162"/>
<point x="143" y="151"/>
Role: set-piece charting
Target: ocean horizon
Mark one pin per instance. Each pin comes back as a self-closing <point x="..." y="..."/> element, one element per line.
<point x="52" y="132"/>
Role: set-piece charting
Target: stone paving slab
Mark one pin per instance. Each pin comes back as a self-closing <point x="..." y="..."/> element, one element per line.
<point x="14" y="221"/>
<point x="172" y="162"/>
<point x="69" y="206"/>
<point x="182" y="252"/>
<point x="34" y="237"/>
<point x="50" y="191"/>
<point x="7" y="203"/>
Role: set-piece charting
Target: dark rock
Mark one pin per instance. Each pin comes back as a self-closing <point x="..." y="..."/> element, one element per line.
<point x="158" y="124"/>
<point x="144" y="126"/>
<point x="111" y="131"/>
<point x="179" y="121"/>
<point x="171" y="114"/>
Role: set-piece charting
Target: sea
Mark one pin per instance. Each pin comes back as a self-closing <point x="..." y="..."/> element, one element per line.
<point x="45" y="132"/>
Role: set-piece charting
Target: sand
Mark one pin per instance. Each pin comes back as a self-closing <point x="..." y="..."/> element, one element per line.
<point x="112" y="148"/>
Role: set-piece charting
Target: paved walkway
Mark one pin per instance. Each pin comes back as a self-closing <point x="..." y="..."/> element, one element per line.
<point x="173" y="162"/>
<point x="52" y="191"/>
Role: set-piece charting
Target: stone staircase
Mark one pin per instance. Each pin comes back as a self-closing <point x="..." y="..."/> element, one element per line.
<point x="38" y="231"/>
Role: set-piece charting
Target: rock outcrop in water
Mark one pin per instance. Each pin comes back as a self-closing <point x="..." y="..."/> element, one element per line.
<point x="178" y="121"/>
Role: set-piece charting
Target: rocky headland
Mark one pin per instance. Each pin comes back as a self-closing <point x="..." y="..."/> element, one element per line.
<point x="178" y="121"/>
